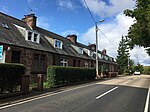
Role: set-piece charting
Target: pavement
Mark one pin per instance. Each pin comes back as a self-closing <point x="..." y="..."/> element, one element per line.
<point x="123" y="94"/>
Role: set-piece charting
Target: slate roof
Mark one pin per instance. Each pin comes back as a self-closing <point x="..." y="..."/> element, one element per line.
<point x="67" y="49"/>
<point x="12" y="36"/>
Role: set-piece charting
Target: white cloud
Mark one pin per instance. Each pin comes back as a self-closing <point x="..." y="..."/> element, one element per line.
<point x="66" y="4"/>
<point x="4" y="9"/>
<point x="43" y="22"/>
<point x="114" y="31"/>
<point x="102" y="9"/>
<point x="68" y="32"/>
<point x="138" y="54"/>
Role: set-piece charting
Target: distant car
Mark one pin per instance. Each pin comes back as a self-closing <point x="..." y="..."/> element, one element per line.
<point x="137" y="73"/>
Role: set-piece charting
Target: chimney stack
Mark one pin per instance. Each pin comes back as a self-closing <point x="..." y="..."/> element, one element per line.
<point x="72" y="38"/>
<point x="30" y="19"/>
<point x="104" y="52"/>
<point x="92" y="46"/>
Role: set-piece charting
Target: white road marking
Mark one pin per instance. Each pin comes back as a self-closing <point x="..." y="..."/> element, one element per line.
<point x="47" y="95"/>
<point x="106" y="92"/>
<point x="52" y="94"/>
<point x="147" y="100"/>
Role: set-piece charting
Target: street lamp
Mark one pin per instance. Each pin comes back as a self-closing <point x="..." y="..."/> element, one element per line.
<point x="96" y="30"/>
<point x="129" y="64"/>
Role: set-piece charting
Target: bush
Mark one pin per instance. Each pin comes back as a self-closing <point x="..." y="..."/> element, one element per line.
<point x="10" y="76"/>
<point x="46" y="85"/>
<point x="57" y="75"/>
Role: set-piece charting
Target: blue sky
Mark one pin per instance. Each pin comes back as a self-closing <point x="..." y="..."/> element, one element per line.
<point x="72" y="17"/>
<point x="54" y="15"/>
<point x="59" y="15"/>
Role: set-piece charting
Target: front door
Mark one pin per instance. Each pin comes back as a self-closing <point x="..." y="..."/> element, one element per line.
<point x="15" y="58"/>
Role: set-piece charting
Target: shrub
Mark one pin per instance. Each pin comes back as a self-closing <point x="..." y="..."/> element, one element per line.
<point x="57" y="75"/>
<point x="10" y="76"/>
<point x="46" y="85"/>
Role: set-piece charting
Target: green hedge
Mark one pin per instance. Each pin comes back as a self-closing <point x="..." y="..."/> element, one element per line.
<point x="57" y="75"/>
<point x="10" y="76"/>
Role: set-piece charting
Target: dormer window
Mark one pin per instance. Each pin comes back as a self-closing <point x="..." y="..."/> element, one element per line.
<point x="29" y="35"/>
<point x="91" y="53"/>
<point x="99" y="55"/>
<point x="80" y="50"/>
<point x="4" y="25"/>
<point x="87" y="51"/>
<point x="33" y="36"/>
<point x="58" y="44"/>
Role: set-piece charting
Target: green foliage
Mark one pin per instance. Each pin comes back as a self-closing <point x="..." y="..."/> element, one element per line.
<point x="146" y="70"/>
<point x="139" y="67"/>
<point x="46" y="85"/>
<point x="139" y="32"/>
<point x="57" y="75"/>
<point x="10" y="76"/>
<point x="123" y="54"/>
<point x="14" y="69"/>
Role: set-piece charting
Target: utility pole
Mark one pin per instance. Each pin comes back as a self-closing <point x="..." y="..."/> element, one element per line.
<point x="96" y="30"/>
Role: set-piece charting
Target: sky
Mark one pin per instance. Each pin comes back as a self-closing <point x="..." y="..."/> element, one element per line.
<point x="65" y="17"/>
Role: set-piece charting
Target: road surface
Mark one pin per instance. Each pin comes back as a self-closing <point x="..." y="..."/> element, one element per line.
<point x="123" y="94"/>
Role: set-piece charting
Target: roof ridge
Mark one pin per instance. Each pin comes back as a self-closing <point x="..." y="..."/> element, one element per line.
<point x="49" y="31"/>
<point x="61" y="36"/>
<point x="54" y="34"/>
<point x="11" y="17"/>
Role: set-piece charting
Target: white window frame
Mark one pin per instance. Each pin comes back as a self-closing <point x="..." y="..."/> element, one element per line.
<point x="91" y="53"/>
<point x="19" y="27"/>
<point x="28" y="36"/>
<point x="86" y="65"/>
<point x="60" y="47"/>
<point x="99" y="55"/>
<point x="64" y="62"/>
<point x="37" y="38"/>
<point x="4" y="25"/>
<point x="106" y="57"/>
<point x="32" y="36"/>
<point x="80" y="49"/>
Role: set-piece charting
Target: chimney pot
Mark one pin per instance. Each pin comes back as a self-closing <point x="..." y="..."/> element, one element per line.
<point x="72" y="38"/>
<point x="30" y="19"/>
<point x="104" y="51"/>
<point x="92" y="46"/>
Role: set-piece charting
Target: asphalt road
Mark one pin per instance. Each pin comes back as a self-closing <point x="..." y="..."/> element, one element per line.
<point x="124" y="94"/>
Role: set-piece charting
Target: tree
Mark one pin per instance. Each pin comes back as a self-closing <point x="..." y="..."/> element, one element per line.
<point x="139" y="32"/>
<point x="146" y="70"/>
<point x="139" y="67"/>
<point x="123" y="55"/>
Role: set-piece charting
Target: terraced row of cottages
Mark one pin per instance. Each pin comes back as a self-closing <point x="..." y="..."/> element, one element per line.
<point x="22" y="41"/>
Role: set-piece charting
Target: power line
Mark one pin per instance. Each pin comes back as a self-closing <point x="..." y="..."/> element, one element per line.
<point x="107" y="38"/>
<point x="95" y="23"/>
<point x="90" y="12"/>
